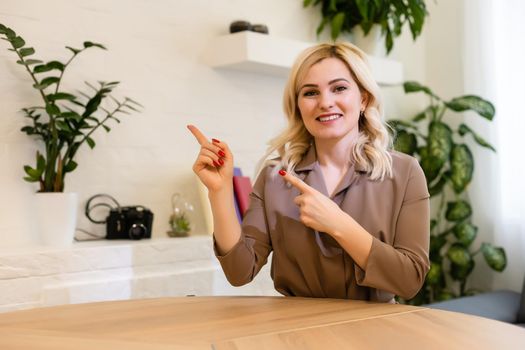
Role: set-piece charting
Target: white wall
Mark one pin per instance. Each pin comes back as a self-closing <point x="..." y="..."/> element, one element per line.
<point x="155" y="48"/>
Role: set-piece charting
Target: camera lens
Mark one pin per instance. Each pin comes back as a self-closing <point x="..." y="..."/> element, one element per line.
<point x="137" y="231"/>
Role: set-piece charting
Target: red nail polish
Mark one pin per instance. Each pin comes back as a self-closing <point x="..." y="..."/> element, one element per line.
<point x="282" y="172"/>
<point x="222" y="154"/>
<point x="221" y="162"/>
<point x="215" y="141"/>
<point x="216" y="164"/>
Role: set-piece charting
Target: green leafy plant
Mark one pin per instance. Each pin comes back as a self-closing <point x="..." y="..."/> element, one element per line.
<point x="448" y="165"/>
<point x="390" y="15"/>
<point x="65" y="120"/>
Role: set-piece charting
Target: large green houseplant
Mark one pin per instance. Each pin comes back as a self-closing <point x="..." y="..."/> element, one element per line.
<point x="390" y="15"/>
<point x="65" y="120"/>
<point x="448" y="165"/>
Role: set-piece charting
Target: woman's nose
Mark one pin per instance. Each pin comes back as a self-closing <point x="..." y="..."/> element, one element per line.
<point x="326" y="101"/>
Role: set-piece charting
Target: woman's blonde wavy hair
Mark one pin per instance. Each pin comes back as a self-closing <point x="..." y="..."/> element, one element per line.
<point x="370" y="151"/>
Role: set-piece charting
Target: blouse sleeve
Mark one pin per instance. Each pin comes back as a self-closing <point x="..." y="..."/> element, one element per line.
<point x="242" y="263"/>
<point x="401" y="268"/>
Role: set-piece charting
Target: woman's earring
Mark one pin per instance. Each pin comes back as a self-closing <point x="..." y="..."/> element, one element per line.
<point x="361" y="114"/>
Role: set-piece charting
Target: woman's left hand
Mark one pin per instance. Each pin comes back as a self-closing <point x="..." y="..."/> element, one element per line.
<point x="317" y="211"/>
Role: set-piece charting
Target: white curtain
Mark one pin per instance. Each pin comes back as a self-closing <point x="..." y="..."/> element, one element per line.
<point x="494" y="62"/>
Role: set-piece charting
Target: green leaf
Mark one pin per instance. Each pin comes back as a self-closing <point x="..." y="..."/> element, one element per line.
<point x="71" y="115"/>
<point x="333" y="5"/>
<point x="107" y="128"/>
<point x="464" y="129"/>
<point x="420" y="116"/>
<point x="88" y="44"/>
<point x="33" y="173"/>
<point x="72" y="49"/>
<point x="61" y="96"/>
<point x="472" y="103"/>
<point x="41" y="68"/>
<point x="438" y="149"/>
<point x="461" y="272"/>
<point x="28" y="62"/>
<point x="44" y="83"/>
<point x="337" y="24"/>
<point x="10" y="34"/>
<point x="458" y="211"/>
<point x="31" y="179"/>
<point x="363" y="6"/>
<point x="70" y="166"/>
<point x="4" y="28"/>
<point x="435" y="273"/>
<point x="27" y="51"/>
<point x="321" y="26"/>
<point x="458" y="255"/>
<point x="437" y="188"/>
<point x="437" y="242"/>
<point x="445" y="295"/>
<point x="61" y="125"/>
<point x="307" y="3"/>
<point x="414" y="86"/>
<point x="433" y="223"/>
<point x="90" y="142"/>
<point x="405" y="142"/>
<point x="389" y="41"/>
<point x="17" y="42"/>
<point x="465" y="233"/>
<point x="52" y="109"/>
<point x="494" y="256"/>
<point x="40" y="162"/>
<point x="461" y="167"/>
<point x="56" y="65"/>
<point x="92" y="105"/>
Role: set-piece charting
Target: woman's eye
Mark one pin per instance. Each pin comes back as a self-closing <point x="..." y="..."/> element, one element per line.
<point x="340" y="88"/>
<point x="310" y="93"/>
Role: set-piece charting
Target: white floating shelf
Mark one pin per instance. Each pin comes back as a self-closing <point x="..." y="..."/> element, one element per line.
<point x="266" y="54"/>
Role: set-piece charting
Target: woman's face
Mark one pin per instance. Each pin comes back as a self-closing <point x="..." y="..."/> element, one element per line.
<point x="329" y="101"/>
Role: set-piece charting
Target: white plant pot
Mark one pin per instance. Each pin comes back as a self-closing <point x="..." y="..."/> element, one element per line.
<point x="373" y="43"/>
<point x="56" y="218"/>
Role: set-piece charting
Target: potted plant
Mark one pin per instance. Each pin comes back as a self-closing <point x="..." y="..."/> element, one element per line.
<point x="388" y="15"/>
<point x="448" y="165"/>
<point x="64" y="120"/>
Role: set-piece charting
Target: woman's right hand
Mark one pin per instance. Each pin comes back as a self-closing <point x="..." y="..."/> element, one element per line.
<point x="214" y="164"/>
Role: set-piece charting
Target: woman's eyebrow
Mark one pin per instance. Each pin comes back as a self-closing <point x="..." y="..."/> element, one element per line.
<point x="329" y="83"/>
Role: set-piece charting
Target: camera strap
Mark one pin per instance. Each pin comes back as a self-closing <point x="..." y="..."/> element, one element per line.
<point x="90" y="207"/>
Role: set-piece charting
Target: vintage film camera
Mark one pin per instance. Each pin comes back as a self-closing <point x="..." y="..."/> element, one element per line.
<point x="129" y="222"/>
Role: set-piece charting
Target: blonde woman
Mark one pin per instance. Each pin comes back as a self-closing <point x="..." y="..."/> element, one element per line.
<point x="344" y="215"/>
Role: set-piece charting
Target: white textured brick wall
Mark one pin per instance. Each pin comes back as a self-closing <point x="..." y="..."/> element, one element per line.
<point x="117" y="270"/>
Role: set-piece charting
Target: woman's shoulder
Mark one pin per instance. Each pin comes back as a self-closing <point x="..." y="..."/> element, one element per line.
<point x="404" y="164"/>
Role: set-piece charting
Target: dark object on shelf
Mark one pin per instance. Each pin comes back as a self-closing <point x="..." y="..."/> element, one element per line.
<point x="240" y="26"/>
<point x="131" y="222"/>
<point x="260" y="28"/>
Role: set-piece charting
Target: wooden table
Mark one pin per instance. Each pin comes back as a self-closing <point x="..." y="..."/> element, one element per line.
<point x="251" y="323"/>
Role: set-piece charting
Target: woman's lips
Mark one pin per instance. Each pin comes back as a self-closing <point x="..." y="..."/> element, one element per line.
<point x="324" y="118"/>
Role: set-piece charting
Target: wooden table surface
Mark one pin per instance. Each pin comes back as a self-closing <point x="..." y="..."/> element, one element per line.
<point x="251" y="323"/>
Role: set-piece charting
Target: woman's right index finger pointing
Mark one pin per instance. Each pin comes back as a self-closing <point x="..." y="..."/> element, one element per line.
<point x="201" y="139"/>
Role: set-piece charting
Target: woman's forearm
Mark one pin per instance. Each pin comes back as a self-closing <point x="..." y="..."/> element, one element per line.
<point x="227" y="229"/>
<point x="354" y="239"/>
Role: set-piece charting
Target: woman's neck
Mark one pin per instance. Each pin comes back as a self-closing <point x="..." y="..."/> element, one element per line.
<point x="334" y="153"/>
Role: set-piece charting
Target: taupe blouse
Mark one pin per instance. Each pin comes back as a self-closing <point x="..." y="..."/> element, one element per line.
<point x="308" y="263"/>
